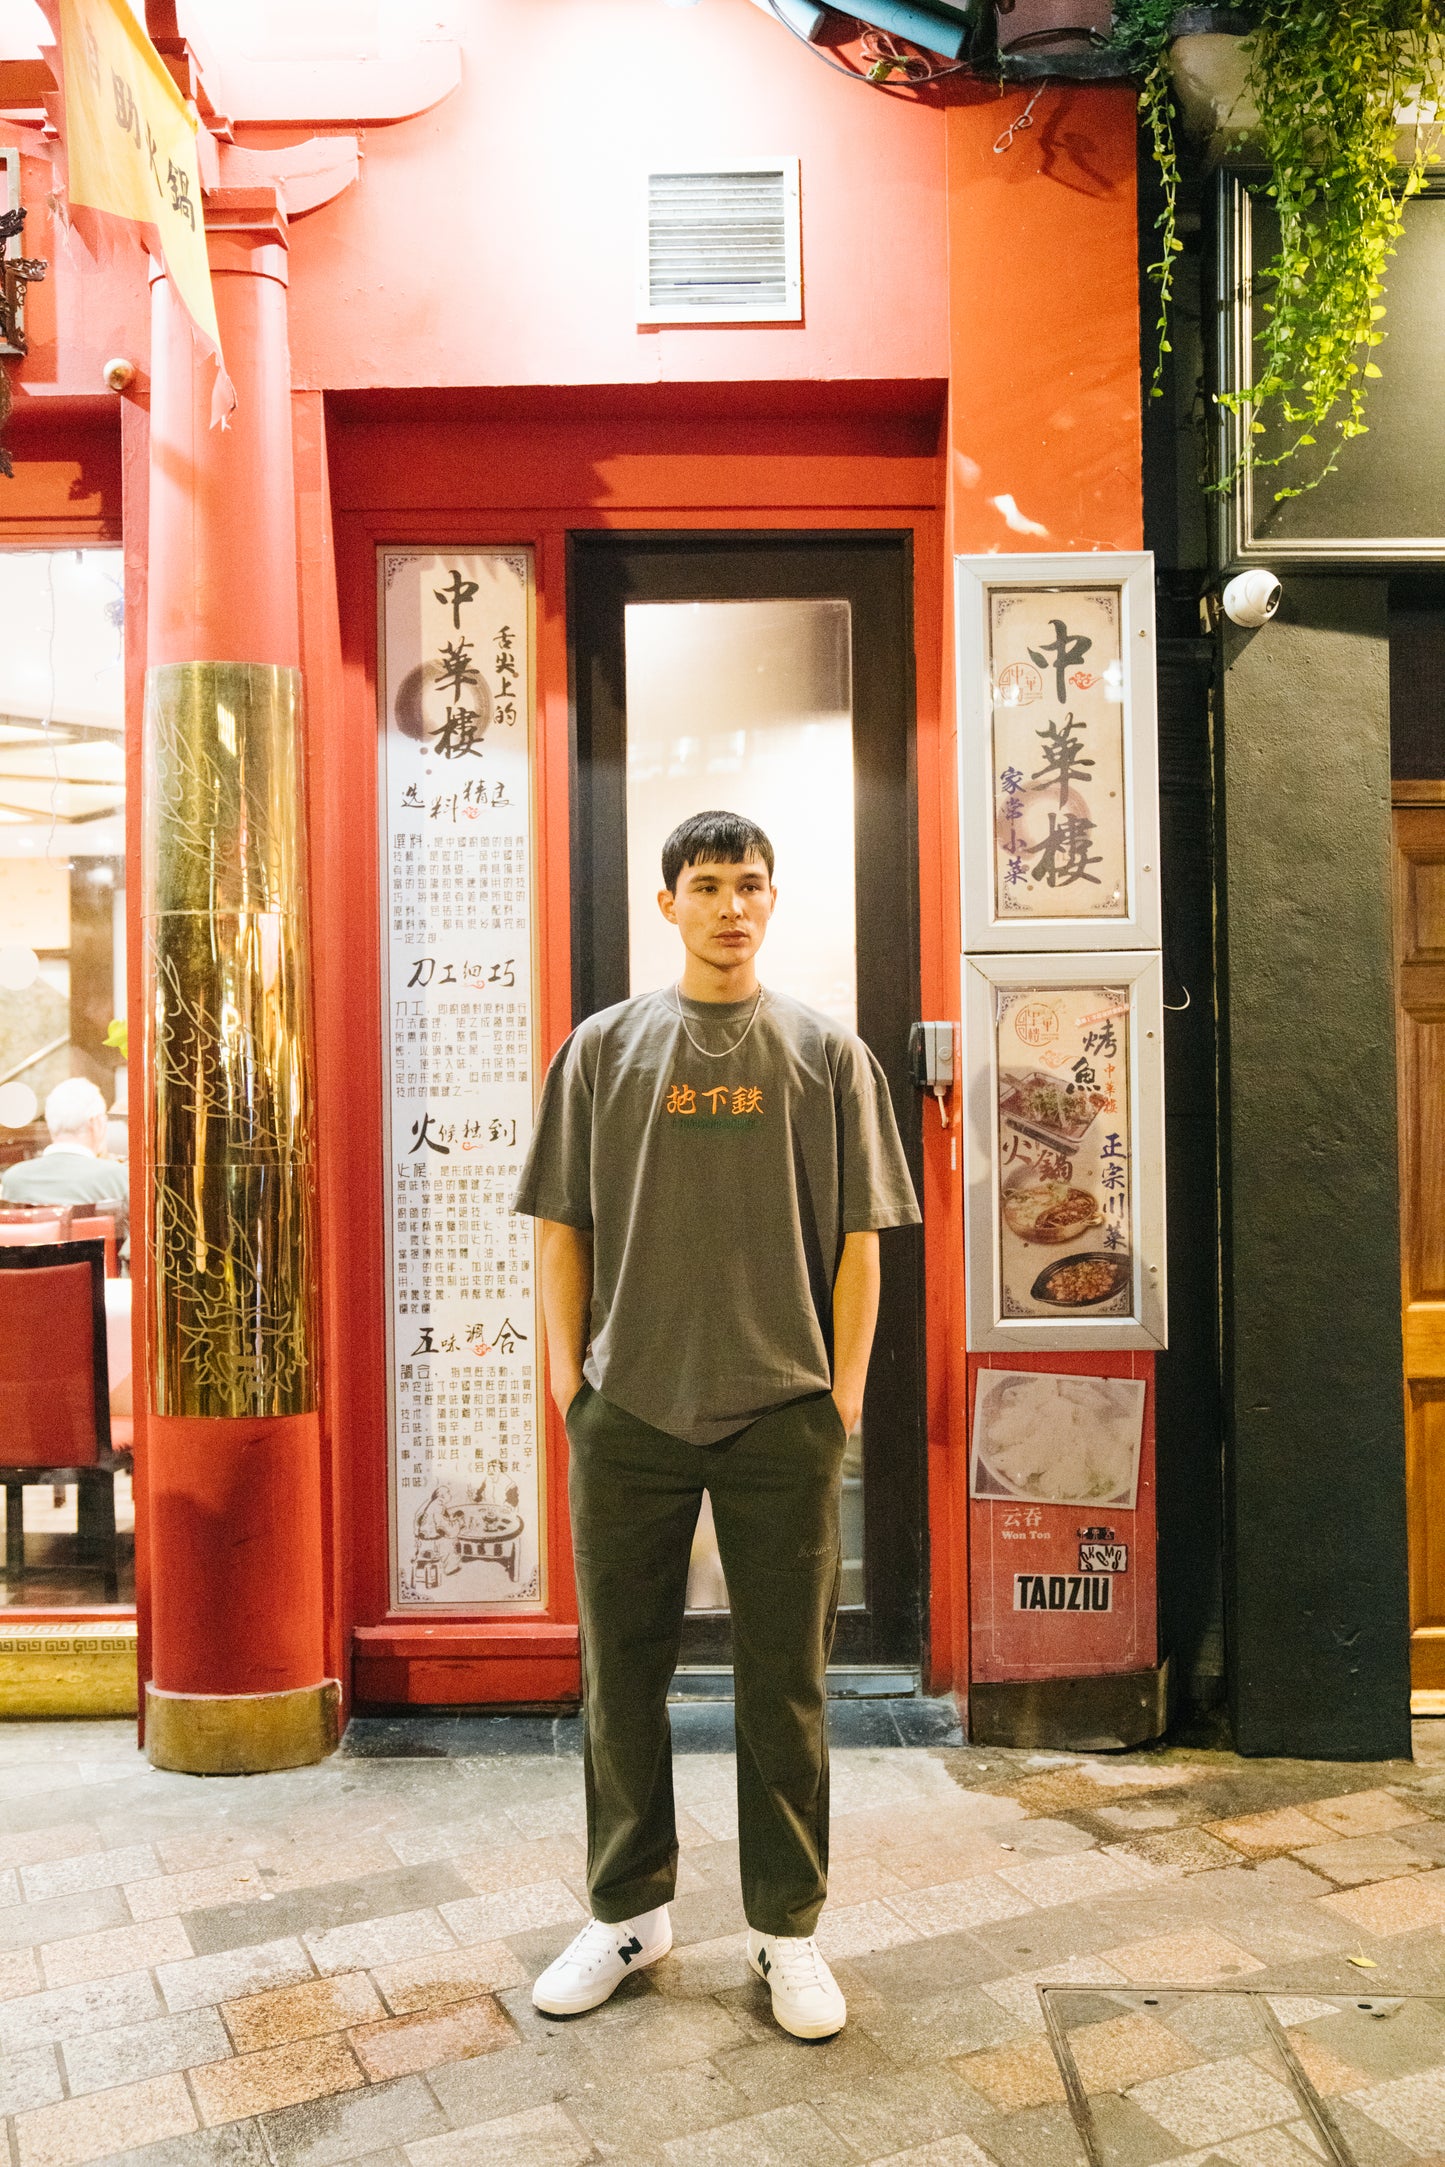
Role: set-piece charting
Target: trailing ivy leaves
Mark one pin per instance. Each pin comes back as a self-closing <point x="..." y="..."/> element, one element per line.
<point x="1141" y="38"/>
<point x="1328" y="77"/>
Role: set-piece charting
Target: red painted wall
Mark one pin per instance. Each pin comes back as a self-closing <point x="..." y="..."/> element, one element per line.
<point x="495" y="240"/>
<point x="1044" y="453"/>
<point x="87" y="309"/>
<point x="511" y="467"/>
<point x="492" y="243"/>
<point x="1044" y="323"/>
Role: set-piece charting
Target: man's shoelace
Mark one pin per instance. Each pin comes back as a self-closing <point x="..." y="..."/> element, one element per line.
<point x="592" y="1946"/>
<point x="798" y="1961"/>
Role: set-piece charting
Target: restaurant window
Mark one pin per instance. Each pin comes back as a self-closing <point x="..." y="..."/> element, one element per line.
<point x="65" y="1484"/>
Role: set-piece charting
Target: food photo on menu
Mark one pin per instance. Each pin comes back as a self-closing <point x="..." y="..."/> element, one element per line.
<point x="1065" y="1216"/>
<point x="1057" y="1440"/>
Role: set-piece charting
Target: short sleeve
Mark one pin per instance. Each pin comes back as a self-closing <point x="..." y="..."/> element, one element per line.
<point x="875" y="1188"/>
<point x="556" y="1180"/>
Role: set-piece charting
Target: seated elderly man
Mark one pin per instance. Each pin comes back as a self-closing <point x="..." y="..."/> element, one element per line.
<point x="70" y="1170"/>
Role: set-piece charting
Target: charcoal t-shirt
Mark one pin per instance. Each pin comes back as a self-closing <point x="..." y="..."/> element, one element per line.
<point x="718" y="1192"/>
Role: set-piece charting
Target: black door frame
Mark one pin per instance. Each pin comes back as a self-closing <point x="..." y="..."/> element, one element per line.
<point x="873" y="571"/>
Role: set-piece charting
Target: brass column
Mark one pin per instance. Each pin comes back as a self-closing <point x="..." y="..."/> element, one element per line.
<point x="231" y="1287"/>
<point x="232" y="1494"/>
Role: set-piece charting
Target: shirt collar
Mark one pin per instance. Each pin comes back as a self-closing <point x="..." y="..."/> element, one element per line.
<point x="70" y="1145"/>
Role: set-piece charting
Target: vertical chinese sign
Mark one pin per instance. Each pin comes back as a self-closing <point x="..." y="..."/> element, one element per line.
<point x="1058" y="753"/>
<point x="459" y="950"/>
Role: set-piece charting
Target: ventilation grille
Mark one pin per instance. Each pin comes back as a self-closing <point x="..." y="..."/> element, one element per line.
<point x="722" y="247"/>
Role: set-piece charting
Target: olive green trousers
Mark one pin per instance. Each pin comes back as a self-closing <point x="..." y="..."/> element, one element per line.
<point x="635" y="1494"/>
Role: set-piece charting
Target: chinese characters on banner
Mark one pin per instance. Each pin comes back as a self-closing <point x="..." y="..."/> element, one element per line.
<point x="130" y="146"/>
<point x="1065" y="1215"/>
<point x="459" y="942"/>
<point x="1056" y="686"/>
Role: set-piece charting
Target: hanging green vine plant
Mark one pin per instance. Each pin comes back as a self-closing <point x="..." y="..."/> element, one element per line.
<point x="1327" y="78"/>
<point x="1328" y="81"/>
<point x="1141" y="38"/>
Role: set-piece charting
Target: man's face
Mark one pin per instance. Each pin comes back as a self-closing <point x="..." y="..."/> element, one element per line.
<point x="721" y="911"/>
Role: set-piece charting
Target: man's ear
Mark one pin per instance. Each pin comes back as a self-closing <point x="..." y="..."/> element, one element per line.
<point x="667" y="904"/>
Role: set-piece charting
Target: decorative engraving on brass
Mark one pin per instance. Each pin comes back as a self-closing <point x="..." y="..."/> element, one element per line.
<point x="228" y="1016"/>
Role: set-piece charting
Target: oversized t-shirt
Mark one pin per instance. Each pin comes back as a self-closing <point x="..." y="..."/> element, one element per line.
<point x="718" y="1192"/>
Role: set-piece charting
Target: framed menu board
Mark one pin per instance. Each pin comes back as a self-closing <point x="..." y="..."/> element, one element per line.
<point x="459" y="959"/>
<point x="1064" y="1151"/>
<point x="1057" y="752"/>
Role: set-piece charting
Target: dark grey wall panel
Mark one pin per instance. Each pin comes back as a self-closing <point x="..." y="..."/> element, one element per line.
<point x="1187" y="1412"/>
<point x="1316" y="1569"/>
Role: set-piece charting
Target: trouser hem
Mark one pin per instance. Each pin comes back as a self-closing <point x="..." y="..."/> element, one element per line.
<point x="616" y="1908"/>
<point x="799" y="1925"/>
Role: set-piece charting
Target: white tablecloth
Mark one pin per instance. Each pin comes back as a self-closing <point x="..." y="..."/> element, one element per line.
<point x="117" y="1342"/>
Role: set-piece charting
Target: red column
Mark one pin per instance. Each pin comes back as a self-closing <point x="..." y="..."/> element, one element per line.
<point x="222" y="510"/>
<point x="238" y="1676"/>
<point x="1045" y="454"/>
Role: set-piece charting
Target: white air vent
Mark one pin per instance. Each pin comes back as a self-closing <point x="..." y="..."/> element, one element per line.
<point x="722" y="247"/>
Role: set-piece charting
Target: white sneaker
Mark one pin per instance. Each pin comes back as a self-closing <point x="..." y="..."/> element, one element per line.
<point x="596" y="1963"/>
<point x="807" y="1999"/>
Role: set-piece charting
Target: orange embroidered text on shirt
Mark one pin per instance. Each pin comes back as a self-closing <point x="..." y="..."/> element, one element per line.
<point x="722" y="1099"/>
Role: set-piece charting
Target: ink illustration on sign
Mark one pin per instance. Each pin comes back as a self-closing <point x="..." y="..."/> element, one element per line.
<point x="1056" y="687"/>
<point x="459" y="943"/>
<point x="1065" y="1203"/>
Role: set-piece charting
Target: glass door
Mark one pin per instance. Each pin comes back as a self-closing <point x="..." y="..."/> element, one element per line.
<point x="69" y="1528"/>
<point x="771" y="677"/>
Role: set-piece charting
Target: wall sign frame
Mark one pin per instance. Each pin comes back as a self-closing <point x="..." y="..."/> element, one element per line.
<point x="1064" y="1152"/>
<point x="457" y="790"/>
<point x="1057" y="746"/>
<point x="1240" y="539"/>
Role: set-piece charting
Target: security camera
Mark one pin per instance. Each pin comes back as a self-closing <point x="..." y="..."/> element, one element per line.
<point x="118" y="374"/>
<point x="1251" y="598"/>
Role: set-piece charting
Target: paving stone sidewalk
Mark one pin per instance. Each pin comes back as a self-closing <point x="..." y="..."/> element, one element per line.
<point x="333" y="1964"/>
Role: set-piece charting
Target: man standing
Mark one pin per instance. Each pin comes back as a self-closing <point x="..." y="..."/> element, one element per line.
<point x="712" y="1164"/>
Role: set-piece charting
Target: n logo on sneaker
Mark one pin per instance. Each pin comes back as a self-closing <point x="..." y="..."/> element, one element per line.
<point x="628" y="1949"/>
<point x="764" y="1966"/>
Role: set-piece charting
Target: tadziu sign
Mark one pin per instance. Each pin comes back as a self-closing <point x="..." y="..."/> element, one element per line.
<point x="1063" y="1591"/>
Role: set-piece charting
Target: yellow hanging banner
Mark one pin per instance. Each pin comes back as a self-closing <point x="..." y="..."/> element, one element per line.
<point x="130" y="143"/>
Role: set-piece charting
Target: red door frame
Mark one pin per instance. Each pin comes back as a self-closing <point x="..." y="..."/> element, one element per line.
<point x="401" y="474"/>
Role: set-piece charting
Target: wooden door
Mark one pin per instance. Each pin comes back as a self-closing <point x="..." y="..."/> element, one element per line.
<point x="1420" y="1026"/>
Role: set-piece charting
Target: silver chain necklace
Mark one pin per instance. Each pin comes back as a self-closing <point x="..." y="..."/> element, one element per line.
<point x="705" y="1051"/>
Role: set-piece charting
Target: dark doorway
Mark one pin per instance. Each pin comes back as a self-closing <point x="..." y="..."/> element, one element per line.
<point x="773" y="674"/>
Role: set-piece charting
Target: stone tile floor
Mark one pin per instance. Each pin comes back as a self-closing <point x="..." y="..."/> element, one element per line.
<point x="333" y="1964"/>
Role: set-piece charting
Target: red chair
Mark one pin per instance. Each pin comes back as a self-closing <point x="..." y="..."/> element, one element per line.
<point x="99" y="1228"/>
<point x="55" y="1397"/>
<point x="24" y="1223"/>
